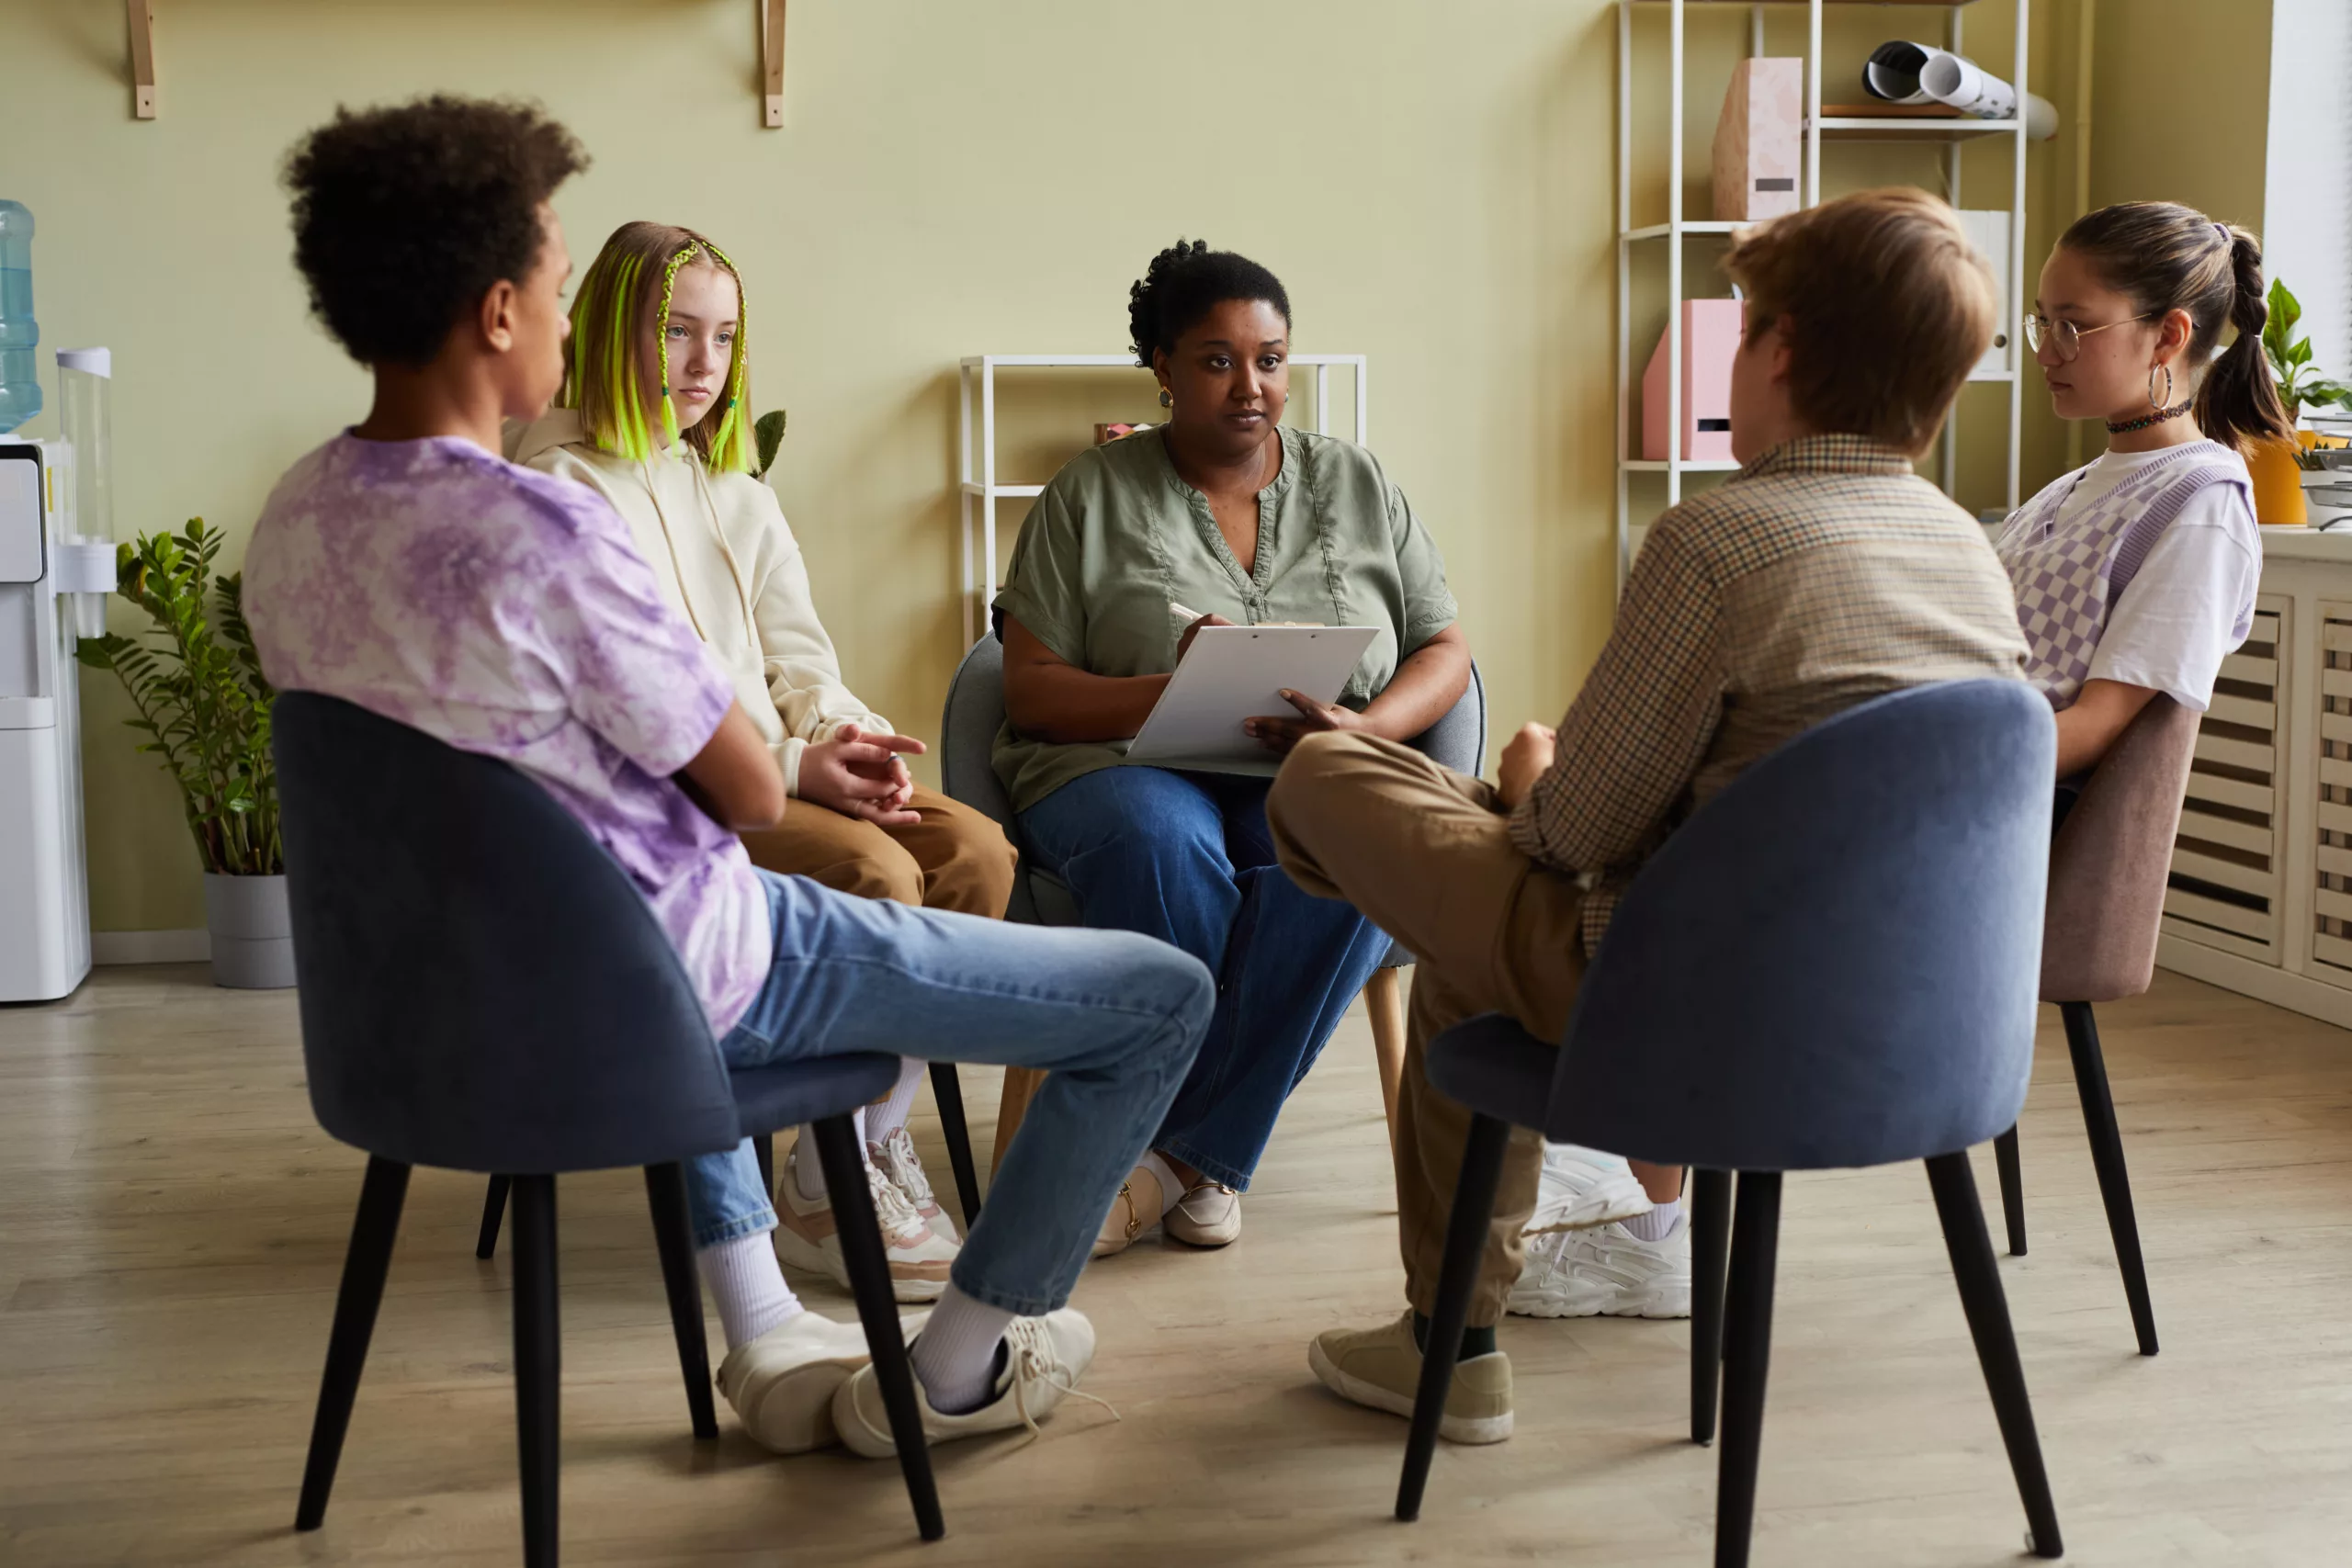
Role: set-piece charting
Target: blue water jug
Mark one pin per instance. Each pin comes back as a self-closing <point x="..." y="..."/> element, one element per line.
<point x="19" y="334"/>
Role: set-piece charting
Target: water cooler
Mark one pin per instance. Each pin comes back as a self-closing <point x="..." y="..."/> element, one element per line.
<point x="53" y="583"/>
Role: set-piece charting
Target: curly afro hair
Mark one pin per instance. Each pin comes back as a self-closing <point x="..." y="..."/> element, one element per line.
<point x="405" y="216"/>
<point x="1183" y="284"/>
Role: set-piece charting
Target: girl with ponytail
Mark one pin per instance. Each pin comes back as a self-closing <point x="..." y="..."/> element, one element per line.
<point x="2136" y="574"/>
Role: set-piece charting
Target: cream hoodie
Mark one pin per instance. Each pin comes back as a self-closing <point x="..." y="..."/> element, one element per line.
<point x="723" y="553"/>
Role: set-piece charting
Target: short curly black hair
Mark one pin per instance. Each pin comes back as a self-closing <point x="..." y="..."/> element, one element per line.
<point x="1185" y="282"/>
<point x="404" y="216"/>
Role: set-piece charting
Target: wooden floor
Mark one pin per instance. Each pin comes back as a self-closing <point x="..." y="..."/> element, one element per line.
<point x="172" y="1223"/>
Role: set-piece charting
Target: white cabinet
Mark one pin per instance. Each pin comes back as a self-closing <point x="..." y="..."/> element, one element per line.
<point x="2261" y="895"/>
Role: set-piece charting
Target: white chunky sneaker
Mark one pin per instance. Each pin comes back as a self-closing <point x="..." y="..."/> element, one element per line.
<point x="781" y="1384"/>
<point x="1581" y="1187"/>
<point x="1044" y="1358"/>
<point x="1605" y="1272"/>
<point x="806" y="1236"/>
<point x="894" y="1157"/>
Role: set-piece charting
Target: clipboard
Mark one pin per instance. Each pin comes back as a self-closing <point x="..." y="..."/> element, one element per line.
<point x="1231" y="673"/>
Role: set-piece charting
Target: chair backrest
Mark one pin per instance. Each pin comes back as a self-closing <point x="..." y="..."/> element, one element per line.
<point x="481" y="987"/>
<point x="968" y="731"/>
<point x="2111" y="858"/>
<point x="1833" y="961"/>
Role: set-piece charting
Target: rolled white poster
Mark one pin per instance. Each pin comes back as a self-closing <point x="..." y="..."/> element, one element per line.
<point x="1893" y="72"/>
<point x="1968" y="87"/>
<point x="1902" y="71"/>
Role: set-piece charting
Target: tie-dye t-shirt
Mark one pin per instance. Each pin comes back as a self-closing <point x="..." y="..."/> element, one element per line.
<point x="507" y="613"/>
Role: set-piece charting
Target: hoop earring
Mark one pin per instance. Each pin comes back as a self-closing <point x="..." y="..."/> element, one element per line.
<point x="2160" y="404"/>
<point x="1166" y="400"/>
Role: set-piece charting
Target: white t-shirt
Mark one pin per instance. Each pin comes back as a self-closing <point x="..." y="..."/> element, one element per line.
<point x="2171" y="628"/>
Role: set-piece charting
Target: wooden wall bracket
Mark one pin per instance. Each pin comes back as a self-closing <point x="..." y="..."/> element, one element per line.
<point x="140" y="14"/>
<point x="771" y="58"/>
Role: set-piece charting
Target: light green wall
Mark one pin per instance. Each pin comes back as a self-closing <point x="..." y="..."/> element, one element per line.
<point x="1433" y="182"/>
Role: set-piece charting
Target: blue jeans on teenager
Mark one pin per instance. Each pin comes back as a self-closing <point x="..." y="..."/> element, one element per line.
<point x="1186" y="858"/>
<point x="1112" y="1019"/>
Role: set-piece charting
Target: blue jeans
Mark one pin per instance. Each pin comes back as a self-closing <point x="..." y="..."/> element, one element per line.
<point x="1186" y="858"/>
<point x="1114" y="1019"/>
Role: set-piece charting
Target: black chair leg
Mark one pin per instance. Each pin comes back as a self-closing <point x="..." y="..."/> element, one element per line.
<point x="538" y="1365"/>
<point x="1747" y="1350"/>
<point x="2004" y="1155"/>
<point x="1710" y="1240"/>
<point x="869" y="1278"/>
<point x="493" y="1208"/>
<point x="764" y="1147"/>
<point x="364" y="1263"/>
<point x="949" y="1092"/>
<point x="666" y="1192"/>
<point x="1970" y="1246"/>
<point x="1465" y="1243"/>
<point x="2107" y="1158"/>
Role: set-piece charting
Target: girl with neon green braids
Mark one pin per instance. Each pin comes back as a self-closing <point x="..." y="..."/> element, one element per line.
<point x="655" y="414"/>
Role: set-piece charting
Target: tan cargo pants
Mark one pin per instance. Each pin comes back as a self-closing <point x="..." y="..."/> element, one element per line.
<point x="1426" y="854"/>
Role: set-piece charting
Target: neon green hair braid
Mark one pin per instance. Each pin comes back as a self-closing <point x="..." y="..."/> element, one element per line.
<point x="661" y="337"/>
<point x="731" y="451"/>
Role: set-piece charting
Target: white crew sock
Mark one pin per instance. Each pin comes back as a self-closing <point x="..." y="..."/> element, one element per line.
<point x="809" y="1171"/>
<point x="888" y="1115"/>
<point x="1172" y="1186"/>
<point x="1656" y="1225"/>
<point x="956" y="1355"/>
<point x="743" y="1280"/>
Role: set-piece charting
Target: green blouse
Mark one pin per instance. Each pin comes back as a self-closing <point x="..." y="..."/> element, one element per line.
<point x="1116" y="538"/>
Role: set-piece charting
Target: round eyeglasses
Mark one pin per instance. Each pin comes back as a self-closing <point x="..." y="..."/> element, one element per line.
<point x="2065" y="336"/>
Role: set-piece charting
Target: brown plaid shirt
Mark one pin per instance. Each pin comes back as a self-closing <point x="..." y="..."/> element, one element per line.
<point x="1824" y="572"/>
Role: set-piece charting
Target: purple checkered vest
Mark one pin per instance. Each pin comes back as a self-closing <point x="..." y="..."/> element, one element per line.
<point x="2068" y="579"/>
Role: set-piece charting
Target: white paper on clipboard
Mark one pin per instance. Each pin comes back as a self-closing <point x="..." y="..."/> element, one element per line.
<point x="1232" y="673"/>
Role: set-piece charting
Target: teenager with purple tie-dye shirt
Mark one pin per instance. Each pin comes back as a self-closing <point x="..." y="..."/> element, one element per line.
<point x="406" y="568"/>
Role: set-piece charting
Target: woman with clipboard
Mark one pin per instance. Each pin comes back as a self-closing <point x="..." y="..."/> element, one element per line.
<point x="1221" y="509"/>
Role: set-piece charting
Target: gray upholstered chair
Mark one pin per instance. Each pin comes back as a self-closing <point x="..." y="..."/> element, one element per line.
<point x="483" y="989"/>
<point x="1831" y="964"/>
<point x="968" y="741"/>
<point x="2109" y="866"/>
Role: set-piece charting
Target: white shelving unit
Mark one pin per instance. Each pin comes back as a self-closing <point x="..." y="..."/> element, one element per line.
<point x="981" y="493"/>
<point x="1950" y="134"/>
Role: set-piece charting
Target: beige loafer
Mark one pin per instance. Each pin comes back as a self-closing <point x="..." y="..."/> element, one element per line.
<point x="1208" y="1215"/>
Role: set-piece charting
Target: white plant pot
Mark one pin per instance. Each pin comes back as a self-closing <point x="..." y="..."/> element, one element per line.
<point x="252" y="935"/>
<point x="2327" y="496"/>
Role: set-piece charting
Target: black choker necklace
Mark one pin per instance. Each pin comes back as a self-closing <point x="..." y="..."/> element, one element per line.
<point x="2125" y="427"/>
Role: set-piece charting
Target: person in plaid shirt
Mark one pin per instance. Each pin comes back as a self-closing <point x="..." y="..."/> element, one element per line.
<point x="1824" y="573"/>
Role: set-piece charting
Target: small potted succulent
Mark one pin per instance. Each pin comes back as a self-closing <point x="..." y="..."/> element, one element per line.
<point x="204" y="708"/>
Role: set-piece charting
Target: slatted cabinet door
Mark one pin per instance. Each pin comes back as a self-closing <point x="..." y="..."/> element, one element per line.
<point x="2224" y="888"/>
<point x="2331" y="866"/>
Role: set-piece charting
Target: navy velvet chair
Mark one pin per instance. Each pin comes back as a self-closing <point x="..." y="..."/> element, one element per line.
<point x="1831" y="964"/>
<point x="967" y="773"/>
<point x="483" y="989"/>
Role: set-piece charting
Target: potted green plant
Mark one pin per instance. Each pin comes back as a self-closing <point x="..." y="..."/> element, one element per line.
<point x="204" y="708"/>
<point x="2284" y="477"/>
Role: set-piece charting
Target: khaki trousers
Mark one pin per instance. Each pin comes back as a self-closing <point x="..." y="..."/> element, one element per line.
<point x="1425" y="853"/>
<point x="956" y="858"/>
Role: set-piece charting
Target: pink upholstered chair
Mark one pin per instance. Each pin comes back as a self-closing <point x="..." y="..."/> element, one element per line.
<point x="2108" y="864"/>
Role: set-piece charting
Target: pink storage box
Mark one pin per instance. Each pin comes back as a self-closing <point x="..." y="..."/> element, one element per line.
<point x="1710" y="330"/>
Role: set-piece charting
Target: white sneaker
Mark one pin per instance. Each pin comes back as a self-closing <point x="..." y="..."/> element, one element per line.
<point x="1581" y="1187"/>
<point x="1044" y="1358"/>
<point x="1605" y="1272"/>
<point x="894" y="1157"/>
<point x="781" y="1384"/>
<point x="806" y="1236"/>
